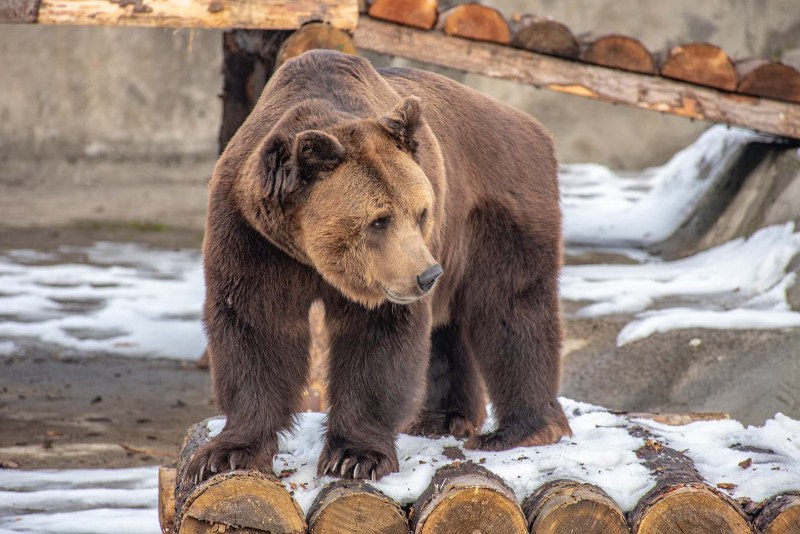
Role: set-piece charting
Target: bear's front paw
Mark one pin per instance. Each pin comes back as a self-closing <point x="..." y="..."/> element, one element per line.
<point x="436" y="423"/>
<point x="510" y="437"/>
<point x="219" y="456"/>
<point x="349" y="461"/>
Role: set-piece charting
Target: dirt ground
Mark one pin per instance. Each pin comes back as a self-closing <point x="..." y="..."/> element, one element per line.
<point x="59" y="409"/>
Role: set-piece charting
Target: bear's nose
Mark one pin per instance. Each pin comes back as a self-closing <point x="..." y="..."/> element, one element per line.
<point x="429" y="277"/>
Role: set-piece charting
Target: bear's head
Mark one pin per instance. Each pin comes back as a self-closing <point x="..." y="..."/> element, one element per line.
<point x="358" y="206"/>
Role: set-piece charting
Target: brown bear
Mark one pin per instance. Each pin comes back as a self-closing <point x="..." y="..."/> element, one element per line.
<point x="433" y="239"/>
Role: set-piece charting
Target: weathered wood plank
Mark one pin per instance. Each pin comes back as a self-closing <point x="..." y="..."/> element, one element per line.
<point x="222" y="14"/>
<point x="638" y="90"/>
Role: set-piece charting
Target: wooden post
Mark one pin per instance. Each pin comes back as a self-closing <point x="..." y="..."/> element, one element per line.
<point x="762" y="77"/>
<point x="250" y="501"/>
<point x="618" y="52"/>
<point x="465" y="497"/>
<point x="780" y="515"/>
<point x="476" y="22"/>
<point x="353" y="507"/>
<point x="166" y="498"/>
<point x="417" y="13"/>
<point x="681" y="500"/>
<point x="700" y="63"/>
<point x="545" y="35"/>
<point x="568" y="506"/>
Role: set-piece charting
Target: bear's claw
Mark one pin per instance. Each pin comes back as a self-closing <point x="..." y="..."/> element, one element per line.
<point x="437" y="423"/>
<point x="215" y="457"/>
<point x="356" y="464"/>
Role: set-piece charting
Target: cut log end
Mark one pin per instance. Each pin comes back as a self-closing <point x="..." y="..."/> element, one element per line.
<point x="618" y="52"/>
<point x="349" y="507"/>
<point x="467" y="498"/>
<point x="416" y="13"/>
<point x="569" y="506"/>
<point x="761" y="77"/>
<point x="780" y="515"/>
<point x="697" y="509"/>
<point x="315" y="35"/>
<point x="477" y="22"/>
<point x="544" y="35"/>
<point x="700" y="63"/>
<point x="244" y="501"/>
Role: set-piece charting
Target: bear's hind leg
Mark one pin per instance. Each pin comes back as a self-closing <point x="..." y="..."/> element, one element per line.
<point x="454" y="403"/>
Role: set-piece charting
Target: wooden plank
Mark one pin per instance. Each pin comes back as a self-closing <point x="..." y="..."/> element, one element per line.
<point x="591" y="81"/>
<point x="568" y="506"/>
<point x="465" y="497"/>
<point x="221" y="14"/>
<point x="352" y="507"/>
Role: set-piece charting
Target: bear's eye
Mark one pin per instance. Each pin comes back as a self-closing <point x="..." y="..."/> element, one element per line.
<point x="381" y="223"/>
<point x="423" y="217"/>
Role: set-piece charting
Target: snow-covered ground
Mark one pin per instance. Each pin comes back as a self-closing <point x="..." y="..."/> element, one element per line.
<point x="601" y="452"/>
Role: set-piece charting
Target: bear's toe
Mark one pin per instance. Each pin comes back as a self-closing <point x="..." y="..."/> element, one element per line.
<point x="215" y="458"/>
<point x="508" y="438"/>
<point x="355" y="463"/>
<point x="437" y="423"/>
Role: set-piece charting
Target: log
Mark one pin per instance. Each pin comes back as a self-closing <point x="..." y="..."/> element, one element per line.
<point x="245" y="501"/>
<point x="761" y="77"/>
<point x="681" y="500"/>
<point x="780" y="515"/>
<point x="700" y="63"/>
<point x="466" y="498"/>
<point x="220" y="14"/>
<point x="571" y="77"/>
<point x="311" y="36"/>
<point x="416" y="13"/>
<point x="569" y="506"/>
<point x="476" y="22"/>
<point x="353" y="507"/>
<point x="315" y="398"/>
<point x="166" y="498"/>
<point x="545" y="35"/>
<point x="675" y="419"/>
<point x="617" y="52"/>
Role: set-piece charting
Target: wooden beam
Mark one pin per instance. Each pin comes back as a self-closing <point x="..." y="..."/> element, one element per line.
<point x="645" y="92"/>
<point x="221" y="14"/>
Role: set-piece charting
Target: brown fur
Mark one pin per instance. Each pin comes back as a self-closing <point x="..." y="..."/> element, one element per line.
<point x="341" y="187"/>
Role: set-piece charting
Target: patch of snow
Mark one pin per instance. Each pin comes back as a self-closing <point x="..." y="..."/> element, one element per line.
<point x="7" y="348"/>
<point x="602" y="207"/>
<point x="740" y="284"/>
<point x="125" y="299"/>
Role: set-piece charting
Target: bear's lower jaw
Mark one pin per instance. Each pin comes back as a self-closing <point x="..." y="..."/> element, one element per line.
<point x="400" y="299"/>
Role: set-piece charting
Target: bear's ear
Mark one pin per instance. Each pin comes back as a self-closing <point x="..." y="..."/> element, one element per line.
<point x="403" y="122"/>
<point x="271" y="166"/>
<point x="315" y="152"/>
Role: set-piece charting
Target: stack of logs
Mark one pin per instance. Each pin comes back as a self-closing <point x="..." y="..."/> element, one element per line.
<point x="463" y="497"/>
<point x="698" y="63"/>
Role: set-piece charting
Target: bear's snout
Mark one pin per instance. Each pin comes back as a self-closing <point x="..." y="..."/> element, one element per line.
<point x="428" y="278"/>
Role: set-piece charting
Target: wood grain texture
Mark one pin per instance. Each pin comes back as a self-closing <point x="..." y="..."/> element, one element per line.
<point x="223" y="14"/>
<point x="780" y="515"/>
<point x="417" y="13"/>
<point x="568" y="506"/>
<point x="571" y="77"/>
<point x="166" y="498"/>
<point x="464" y="498"/>
<point x="353" y="507"/>
<point x="681" y="501"/>
<point x="544" y="35"/>
<point x="617" y="52"/>
<point x="771" y="79"/>
<point x="475" y="21"/>
<point x="700" y="63"/>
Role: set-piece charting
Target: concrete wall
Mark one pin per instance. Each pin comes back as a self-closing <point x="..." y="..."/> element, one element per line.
<point x="69" y="92"/>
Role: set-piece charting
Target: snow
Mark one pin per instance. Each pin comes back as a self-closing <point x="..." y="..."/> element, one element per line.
<point x="602" y="207"/>
<point x="120" y="298"/>
<point x="740" y="284"/>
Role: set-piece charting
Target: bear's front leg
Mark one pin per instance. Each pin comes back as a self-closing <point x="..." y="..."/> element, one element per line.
<point x="376" y="378"/>
<point x="258" y="341"/>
